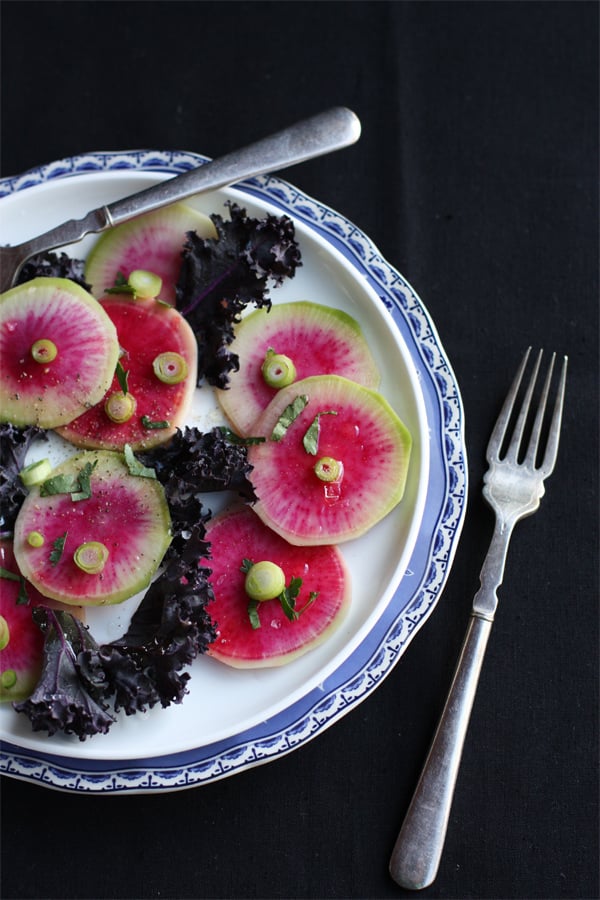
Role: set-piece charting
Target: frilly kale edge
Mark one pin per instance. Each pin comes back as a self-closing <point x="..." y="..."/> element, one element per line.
<point x="14" y="444"/>
<point x="220" y="276"/>
<point x="54" y="265"/>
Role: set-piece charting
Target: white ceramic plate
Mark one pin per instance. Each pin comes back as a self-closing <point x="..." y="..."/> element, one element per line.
<point x="234" y="719"/>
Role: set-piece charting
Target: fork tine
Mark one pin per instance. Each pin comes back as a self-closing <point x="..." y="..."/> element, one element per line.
<point x="499" y="431"/>
<point x="515" y="441"/>
<point x="532" y="447"/>
<point x="551" y="451"/>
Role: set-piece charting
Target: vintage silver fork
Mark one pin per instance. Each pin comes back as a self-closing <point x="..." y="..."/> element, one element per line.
<point x="513" y="486"/>
<point x="323" y="133"/>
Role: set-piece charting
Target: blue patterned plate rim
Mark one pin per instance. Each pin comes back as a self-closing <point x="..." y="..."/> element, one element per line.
<point x="431" y="561"/>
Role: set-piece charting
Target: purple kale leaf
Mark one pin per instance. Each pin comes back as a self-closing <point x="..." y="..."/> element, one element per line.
<point x="14" y="444"/>
<point x="170" y="628"/>
<point x="54" y="265"/>
<point x="66" y="698"/>
<point x="194" y="461"/>
<point x="81" y="680"/>
<point x="220" y="276"/>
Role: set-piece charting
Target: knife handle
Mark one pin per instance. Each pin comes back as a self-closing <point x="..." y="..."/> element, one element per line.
<point x="418" y="849"/>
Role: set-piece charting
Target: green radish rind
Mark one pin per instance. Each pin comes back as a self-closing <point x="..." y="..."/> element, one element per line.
<point x="239" y="534"/>
<point x="54" y="393"/>
<point x="126" y="513"/>
<point x="152" y="241"/>
<point x="145" y="329"/>
<point x="362" y="431"/>
<point x="319" y="340"/>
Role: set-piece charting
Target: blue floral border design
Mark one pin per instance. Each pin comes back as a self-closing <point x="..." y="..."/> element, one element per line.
<point x="432" y="558"/>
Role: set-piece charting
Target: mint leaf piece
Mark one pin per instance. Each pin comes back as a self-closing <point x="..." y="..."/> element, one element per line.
<point x="135" y="466"/>
<point x="310" y="440"/>
<point x="58" y="547"/>
<point x="289" y="415"/>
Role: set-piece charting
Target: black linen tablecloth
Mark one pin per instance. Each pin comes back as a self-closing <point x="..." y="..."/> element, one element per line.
<point x="477" y="177"/>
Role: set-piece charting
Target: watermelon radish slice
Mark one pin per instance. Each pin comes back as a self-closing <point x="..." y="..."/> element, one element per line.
<point x="120" y="528"/>
<point x="152" y="241"/>
<point x="346" y="427"/>
<point x="239" y="534"/>
<point x="21" y="641"/>
<point x="319" y="340"/>
<point x="154" y="405"/>
<point x="58" y="352"/>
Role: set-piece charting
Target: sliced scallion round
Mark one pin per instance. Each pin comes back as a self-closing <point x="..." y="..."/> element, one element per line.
<point x="278" y="370"/>
<point x="35" y="472"/>
<point x="44" y="350"/>
<point x="4" y="633"/>
<point x="91" y="557"/>
<point x="119" y="407"/>
<point x="146" y="285"/>
<point x="328" y="469"/>
<point x="170" y="367"/>
<point x="264" y="581"/>
<point x="35" y="539"/>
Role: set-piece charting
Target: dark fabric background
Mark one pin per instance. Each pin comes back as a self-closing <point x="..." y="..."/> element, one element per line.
<point x="477" y="177"/>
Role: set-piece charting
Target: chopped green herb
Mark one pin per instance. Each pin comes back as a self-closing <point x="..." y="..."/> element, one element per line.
<point x="57" y="549"/>
<point x="252" y="604"/>
<point x="289" y="596"/>
<point x="122" y="377"/>
<point x="22" y="598"/>
<point x="290" y="413"/>
<point x="311" y="438"/>
<point x="234" y="438"/>
<point x="253" y="614"/>
<point x="78" y="485"/>
<point x="59" y="484"/>
<point x="121" y="286"/>
<point x="10" y="576"/>
<point x="287" y="599"/>
<point x="85" y="483"/>
<point x="311" y="599"/>
<point x="148" y="423"/>
<point x="135" y="466"/>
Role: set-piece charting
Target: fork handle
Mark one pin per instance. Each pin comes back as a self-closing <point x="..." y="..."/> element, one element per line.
<point x="416" y="855"/>
<point x="323" y="133"/>
<point x="320" y="134"/>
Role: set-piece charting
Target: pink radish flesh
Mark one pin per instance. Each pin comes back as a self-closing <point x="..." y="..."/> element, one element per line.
<point x="239" y="535"/>
<point x="125" y="513"/>
<point x="145" y="329"/>
<point x="153" y="242"/>
<point x="319" y="340"/>
<point x="53" y="392"/>
<point x="358" y="428"/>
